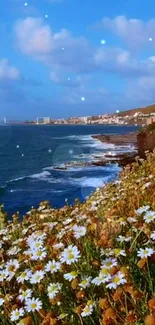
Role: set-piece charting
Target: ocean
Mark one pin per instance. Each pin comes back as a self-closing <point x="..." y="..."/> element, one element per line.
<point x="28" y="155"/>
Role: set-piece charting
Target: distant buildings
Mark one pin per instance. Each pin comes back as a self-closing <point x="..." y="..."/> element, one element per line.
<point x="43" y="120"/>
<point x="138" y="118"/>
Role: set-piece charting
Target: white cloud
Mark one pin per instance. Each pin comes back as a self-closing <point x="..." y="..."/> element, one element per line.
<point x="134" y="32"/>
<point x="8" y="71"/>
<point x="35" y="38"/>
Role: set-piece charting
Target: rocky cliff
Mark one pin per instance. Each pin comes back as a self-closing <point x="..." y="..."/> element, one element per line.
<point x="146" y="140"/>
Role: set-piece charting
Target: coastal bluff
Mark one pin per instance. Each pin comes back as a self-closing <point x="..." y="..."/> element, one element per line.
<point x="146" y="140"/>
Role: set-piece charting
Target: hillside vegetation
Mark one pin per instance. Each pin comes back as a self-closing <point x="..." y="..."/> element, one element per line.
<point x="92" y="263"/>
<point x="145" y="110"/>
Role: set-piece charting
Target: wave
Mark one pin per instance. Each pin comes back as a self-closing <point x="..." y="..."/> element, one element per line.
<point x="93" y="182"/>
<point x="95" y="144"/>
<point x="42" y="175"/>
<point x="16" y="179"/>
<point x="82" y="137"/>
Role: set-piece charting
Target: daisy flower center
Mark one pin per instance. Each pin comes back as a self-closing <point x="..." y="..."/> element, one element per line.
<point x="11" y="268"/>
<point x="104" y="271"/>
<point x="23" y="274"/>
<point x="73" y="273"/>
<point x="117" y="251"/>
<point x="39" y="253"/>
<point x="87" y="309"/>
<point x="84" y="282"/>
<point x="38" y="277"/>
<point x="33" y="305"/>
<point x="17" y="313"/>
<point x="108" y="263"/>
<point x="70" y="255"/>
<point x="116" y="280"/>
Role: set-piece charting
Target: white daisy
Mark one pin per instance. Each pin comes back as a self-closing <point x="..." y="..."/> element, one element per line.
<point x="37" y="277"/>
<point x="24" y="276"/>
<point x="79" y="231"/>
<point x="119" y="252"/>
<point x="106" y="252"/>
<point x="101" y="279"/>
<point x="39" y="254"/>
<point x="70" y="255"/>
<point x="122" y="239"/>
<point x="108" y="263"/>
<point x="35" y="245"/>
<point x="116" y="280"/>
<point x="87" y="311"/>
<point x="149" y="216"/>
<point x="52" y="266"/>
<point x="85" y="282"/>
<point x="16" y="314"/>
<point x="25" y="295"/>
<point x="143" y="209"/>
<point x="53" y="289"/>
<point x="12" y="266"/>
<point x="146" y="252"/>
<point x="70" y="276"/>
<point x="33" y="305"/>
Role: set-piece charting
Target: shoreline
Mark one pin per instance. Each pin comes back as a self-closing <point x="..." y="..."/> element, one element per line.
<point x="103" y="159"/>
<point x="124" y="140"/>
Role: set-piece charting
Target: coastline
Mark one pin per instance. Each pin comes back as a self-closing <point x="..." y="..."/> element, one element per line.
<point x="47" y="179"/>
<point x="125" y="140"/>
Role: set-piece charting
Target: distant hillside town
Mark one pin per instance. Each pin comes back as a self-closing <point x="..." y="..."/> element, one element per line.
<point x="140" y="116"/>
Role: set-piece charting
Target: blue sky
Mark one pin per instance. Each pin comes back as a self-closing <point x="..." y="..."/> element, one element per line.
<point x="51" y="56"/>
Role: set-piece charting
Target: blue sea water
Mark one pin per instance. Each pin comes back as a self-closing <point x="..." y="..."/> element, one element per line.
<point x="29" y="153"/>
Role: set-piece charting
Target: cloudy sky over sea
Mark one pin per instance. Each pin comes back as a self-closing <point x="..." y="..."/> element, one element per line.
<point x="67" y="57"/>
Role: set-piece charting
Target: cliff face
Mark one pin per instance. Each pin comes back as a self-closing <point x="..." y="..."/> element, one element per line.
<point x="146" y="140"/>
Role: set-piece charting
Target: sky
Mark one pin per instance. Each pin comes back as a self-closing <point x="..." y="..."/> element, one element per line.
<point x="62" y="58"/>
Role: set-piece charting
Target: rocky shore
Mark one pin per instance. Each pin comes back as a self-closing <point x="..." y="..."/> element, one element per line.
<point x="122" y="159"/>
<point x="140" y="142"/>
<point x="118" y="139"/>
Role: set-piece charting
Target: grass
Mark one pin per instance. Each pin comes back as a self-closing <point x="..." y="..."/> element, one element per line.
<point x="92" y="263"/>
